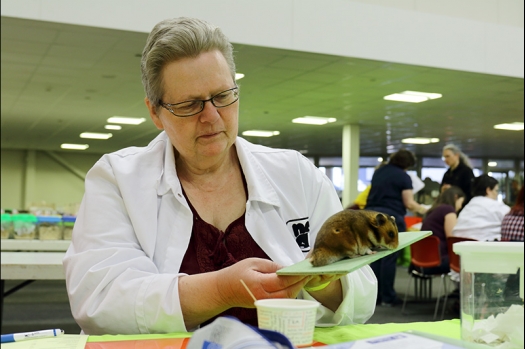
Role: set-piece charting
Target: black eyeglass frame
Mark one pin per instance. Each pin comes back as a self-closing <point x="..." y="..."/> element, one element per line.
<point x="168" y="106"/>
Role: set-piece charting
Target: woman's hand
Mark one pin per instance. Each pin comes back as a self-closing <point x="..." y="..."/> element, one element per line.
<point x="260" y="277"/>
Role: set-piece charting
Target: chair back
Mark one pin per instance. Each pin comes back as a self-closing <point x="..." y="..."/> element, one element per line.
<point x="425" y="252"/>
<point x="452" y="256"/>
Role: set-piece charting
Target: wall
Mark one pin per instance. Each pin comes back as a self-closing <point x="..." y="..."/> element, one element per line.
<point x="32" y="177"/>
<point x="468" y="35"/>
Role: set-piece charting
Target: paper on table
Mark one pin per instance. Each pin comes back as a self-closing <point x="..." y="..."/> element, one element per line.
<point x="65" y="341"/>
<point x="346" y="266"/>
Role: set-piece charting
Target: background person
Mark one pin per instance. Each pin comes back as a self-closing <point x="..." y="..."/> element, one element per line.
<point x="481" y="218"/>
<point x="512" y="224"/>
<point x="513" y="193"/>
<point x="440" y="219"/>
<point x="166" y="232"/>
<point x="391" y="193"/>
<point x="459" y="172"/>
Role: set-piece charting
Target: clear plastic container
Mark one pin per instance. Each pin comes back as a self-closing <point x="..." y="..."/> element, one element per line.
<point x="68" y="222"/>
<point x="492" y="293"/>
<point x="24" y="226"/>
<point x="49" y="227"/>
<point x="7" y="226"/>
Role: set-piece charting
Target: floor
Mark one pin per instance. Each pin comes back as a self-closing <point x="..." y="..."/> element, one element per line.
<point x="44" y="305"/>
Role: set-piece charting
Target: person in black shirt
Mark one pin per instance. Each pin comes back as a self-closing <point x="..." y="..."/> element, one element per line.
<point x="459" y="173"/>
<point x="392" y="193"/>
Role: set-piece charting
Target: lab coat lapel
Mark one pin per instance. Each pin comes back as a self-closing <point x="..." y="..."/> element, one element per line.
<point x="262" y="218"/>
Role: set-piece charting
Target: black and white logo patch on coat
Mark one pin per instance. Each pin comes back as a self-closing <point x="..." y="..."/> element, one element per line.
<point x="301" y="229"/>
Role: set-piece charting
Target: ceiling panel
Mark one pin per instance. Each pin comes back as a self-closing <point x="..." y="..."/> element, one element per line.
<point x="59" y="80"/>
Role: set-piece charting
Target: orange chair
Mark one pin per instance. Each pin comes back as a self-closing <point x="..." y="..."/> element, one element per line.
<point x="411" y="220"/>
<point x="454" y="261"/>
<point x="453" y="257"/>
<point x="425" y="254"/>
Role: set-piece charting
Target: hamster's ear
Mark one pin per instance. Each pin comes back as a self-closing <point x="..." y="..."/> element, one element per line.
<point x="393" y="220"/>
<point x="380" y="219"/>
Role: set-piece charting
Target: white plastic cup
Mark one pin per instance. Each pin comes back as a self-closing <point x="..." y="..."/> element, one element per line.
<point x="295" y="318"/>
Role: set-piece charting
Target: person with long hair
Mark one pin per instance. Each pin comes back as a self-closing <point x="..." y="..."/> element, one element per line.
<point x="392" y="193"/>
<point x="481" y="218"/>
<point x="459" y="171"/>
<point x="512" y="224"/>
<point x="441" y="219"/>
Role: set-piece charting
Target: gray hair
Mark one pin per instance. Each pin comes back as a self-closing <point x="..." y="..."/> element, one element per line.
<point x="462" y="157"/>
<point x="174" y="39"/>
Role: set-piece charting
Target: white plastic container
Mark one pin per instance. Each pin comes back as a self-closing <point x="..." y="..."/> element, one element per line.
<point x="295" y="318"/>
<point x="7" y="226"/>
<point x="492" y="293"/>
<point x="49" y="227"/>
<point x="24" y="226"/>
<point x="68" y="223"/>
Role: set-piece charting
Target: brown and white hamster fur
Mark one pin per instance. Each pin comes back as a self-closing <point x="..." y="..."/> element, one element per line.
<point x="352" y="233"/>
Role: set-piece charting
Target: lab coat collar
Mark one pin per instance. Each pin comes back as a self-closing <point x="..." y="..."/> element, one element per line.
<point x="168" y="179"/>
<point x="259" y="187"/>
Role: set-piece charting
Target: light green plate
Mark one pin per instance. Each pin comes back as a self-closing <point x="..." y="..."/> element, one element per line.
<point x="348" y="265"/>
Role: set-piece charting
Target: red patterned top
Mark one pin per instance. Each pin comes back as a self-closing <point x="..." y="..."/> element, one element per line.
<point x="211" y="249"/>
<point x="512" y="227"/>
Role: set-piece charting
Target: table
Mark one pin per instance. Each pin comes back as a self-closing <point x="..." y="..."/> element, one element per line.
<point x="29" y="266"/>
<point x="34" y="245"/>
<point x="327" y="335"/>
<point x="447" y="330"/>
<point x="32" y="266"/>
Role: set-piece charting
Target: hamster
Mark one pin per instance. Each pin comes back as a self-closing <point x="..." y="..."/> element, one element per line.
<point x="352" y="233"/>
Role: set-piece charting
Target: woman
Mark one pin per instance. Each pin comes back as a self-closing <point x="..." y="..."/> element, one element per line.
<point x="459" y="172"/>
<point x="166" y="232"/>
<point x="481" y="218"/>
<point x="440" y="220"/>
<point x="391" y="193"/>
<point x="512" y="224"/>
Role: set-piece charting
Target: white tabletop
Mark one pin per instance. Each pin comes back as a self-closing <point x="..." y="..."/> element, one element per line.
<point x="32" y="266"/>
<point x="34" y="245"/>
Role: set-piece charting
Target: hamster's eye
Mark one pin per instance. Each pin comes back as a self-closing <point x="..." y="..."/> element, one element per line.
<point x="391" y="234"/>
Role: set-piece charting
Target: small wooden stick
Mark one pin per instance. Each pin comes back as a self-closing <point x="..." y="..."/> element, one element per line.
<point x="247" y="289"/>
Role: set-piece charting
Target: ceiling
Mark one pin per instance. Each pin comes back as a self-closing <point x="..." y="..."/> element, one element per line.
<point x="59" y="80"/>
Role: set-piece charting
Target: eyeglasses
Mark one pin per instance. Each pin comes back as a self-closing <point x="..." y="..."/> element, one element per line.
<point x="189" y="108"/>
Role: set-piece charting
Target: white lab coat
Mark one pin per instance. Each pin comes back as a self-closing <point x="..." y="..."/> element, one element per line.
<point x="481" y="219"/>
<point x="134" y="226"/>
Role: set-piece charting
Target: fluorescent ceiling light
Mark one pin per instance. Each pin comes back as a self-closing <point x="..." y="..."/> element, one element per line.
<point x="239" y="76"/>
<point x="74" y="146"/>
<point x="420" y="140"/>
<point x="492" y="163"/>
<point x="405" y="98"/>
<point x="125" y="120"/>
<point x="412" y="96"/>
<point x="511" y="126"/>
<point x="113" y="127"/>
<point x="423" y="94"/>
<point x="260" y="133"/>
<point x="380" y="159"/>
<point x="95" y="135"/>
<point x="313" y="120"/>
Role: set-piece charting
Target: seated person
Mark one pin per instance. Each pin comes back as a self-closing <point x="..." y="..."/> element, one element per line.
<point x="481" y="218"/>
<point x="166" y="232"/>
<point x="441" y="219"/>
<point x="512" y="224"/>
